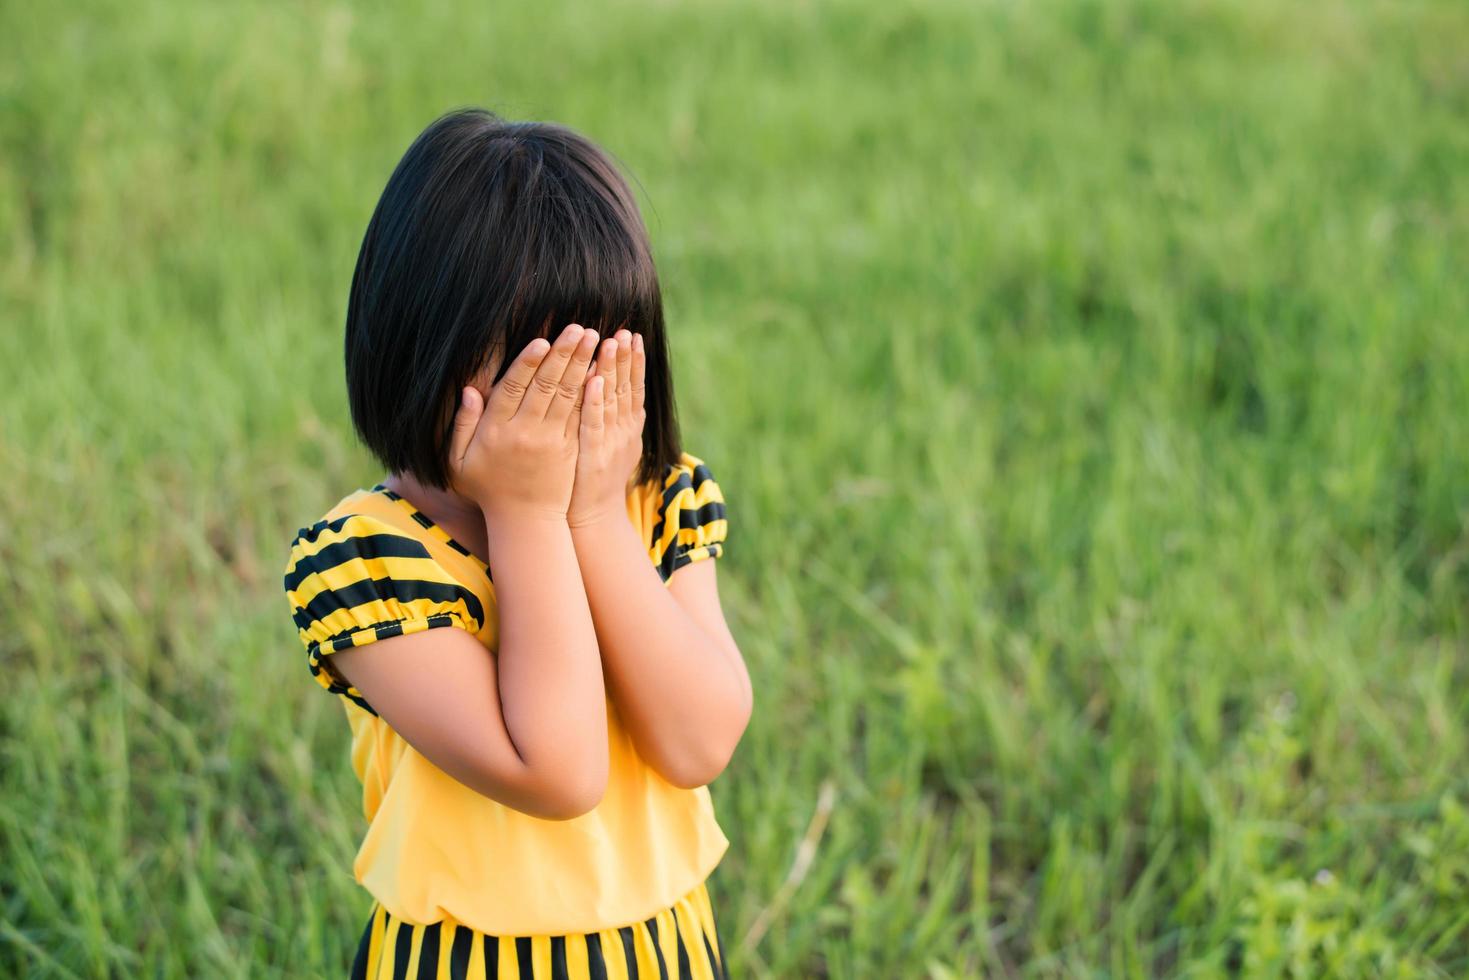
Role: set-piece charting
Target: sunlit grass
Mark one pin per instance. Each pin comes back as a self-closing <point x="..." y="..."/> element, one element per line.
<point x="1087" y="382"/>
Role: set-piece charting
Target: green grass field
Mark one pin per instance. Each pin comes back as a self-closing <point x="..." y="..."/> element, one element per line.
<point x="1089" y="383"/>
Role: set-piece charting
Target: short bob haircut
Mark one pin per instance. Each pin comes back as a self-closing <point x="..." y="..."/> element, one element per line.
<point x="488" y="235"/>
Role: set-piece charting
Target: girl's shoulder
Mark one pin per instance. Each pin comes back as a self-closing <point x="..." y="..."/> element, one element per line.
<point x="368" y="570"/>
<point x="691" y="521"/>
<point x="689" y="471"/>
<point x="379" y="525"/>
<point x="372" y="525"/>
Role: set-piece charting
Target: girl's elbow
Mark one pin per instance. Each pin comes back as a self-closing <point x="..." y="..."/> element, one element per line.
<point x="557" y="794"/>
<point x="697" y="765"/>
<point x="690" y="775"/>
<point x="571" y="782"/>
<point x="567" y="802"/>
<point x="578" y="795"/>
<point x="567" y="806"/>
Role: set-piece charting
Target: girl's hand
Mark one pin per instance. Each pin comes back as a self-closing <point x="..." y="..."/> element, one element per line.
<point x="516" y="455"/>
<point x="611" y="431"/>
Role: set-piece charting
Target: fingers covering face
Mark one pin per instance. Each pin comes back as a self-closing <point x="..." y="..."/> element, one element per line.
<point x="506" y="397"/>
<point x="624" y="374"/>
<point x="547" y="382"/>
<point x="639" y="373"/>
<point x="592" y="413"/>
<point x="567" y="403"/>
<point x="466" y="420"/>
<point x="607" y="371"/>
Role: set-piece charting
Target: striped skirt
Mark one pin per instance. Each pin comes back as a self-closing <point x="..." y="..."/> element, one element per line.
<point x="679" y="943"/>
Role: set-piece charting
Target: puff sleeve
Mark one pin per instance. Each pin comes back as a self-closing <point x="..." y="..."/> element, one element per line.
<point x="357" y="579"/>
<point x="691" y="524"/>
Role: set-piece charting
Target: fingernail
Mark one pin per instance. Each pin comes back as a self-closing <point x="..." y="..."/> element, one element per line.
<point x="464" y="398"/>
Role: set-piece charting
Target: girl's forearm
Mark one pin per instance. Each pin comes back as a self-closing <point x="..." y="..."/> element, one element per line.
<point x="685" y="701"/>
<point x="550" y="671"/>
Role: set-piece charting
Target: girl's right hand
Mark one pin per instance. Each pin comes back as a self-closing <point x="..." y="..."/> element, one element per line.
<point x="515" y="456"/>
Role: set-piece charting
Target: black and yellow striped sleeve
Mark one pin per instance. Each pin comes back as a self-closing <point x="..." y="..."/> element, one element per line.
<point x="691" y="523"/>
<point x="357" y="579"/>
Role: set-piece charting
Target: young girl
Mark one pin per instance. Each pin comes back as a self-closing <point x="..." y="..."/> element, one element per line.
<point x="520" y="620"/>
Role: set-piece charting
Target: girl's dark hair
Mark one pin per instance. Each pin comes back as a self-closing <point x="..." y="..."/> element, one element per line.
<point x="490" y="234"/>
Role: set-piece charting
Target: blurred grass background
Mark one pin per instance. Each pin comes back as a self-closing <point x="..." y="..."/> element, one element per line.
<point x="1088" y="382"/>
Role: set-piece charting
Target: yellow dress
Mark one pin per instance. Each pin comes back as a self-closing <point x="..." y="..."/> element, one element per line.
<point x="464" y="885"/>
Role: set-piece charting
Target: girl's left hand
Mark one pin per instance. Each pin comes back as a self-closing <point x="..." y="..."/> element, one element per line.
<point x="611" y="440"/>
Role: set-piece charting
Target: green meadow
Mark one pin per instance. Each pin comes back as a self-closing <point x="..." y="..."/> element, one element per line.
<point x="1089" y="385"/>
